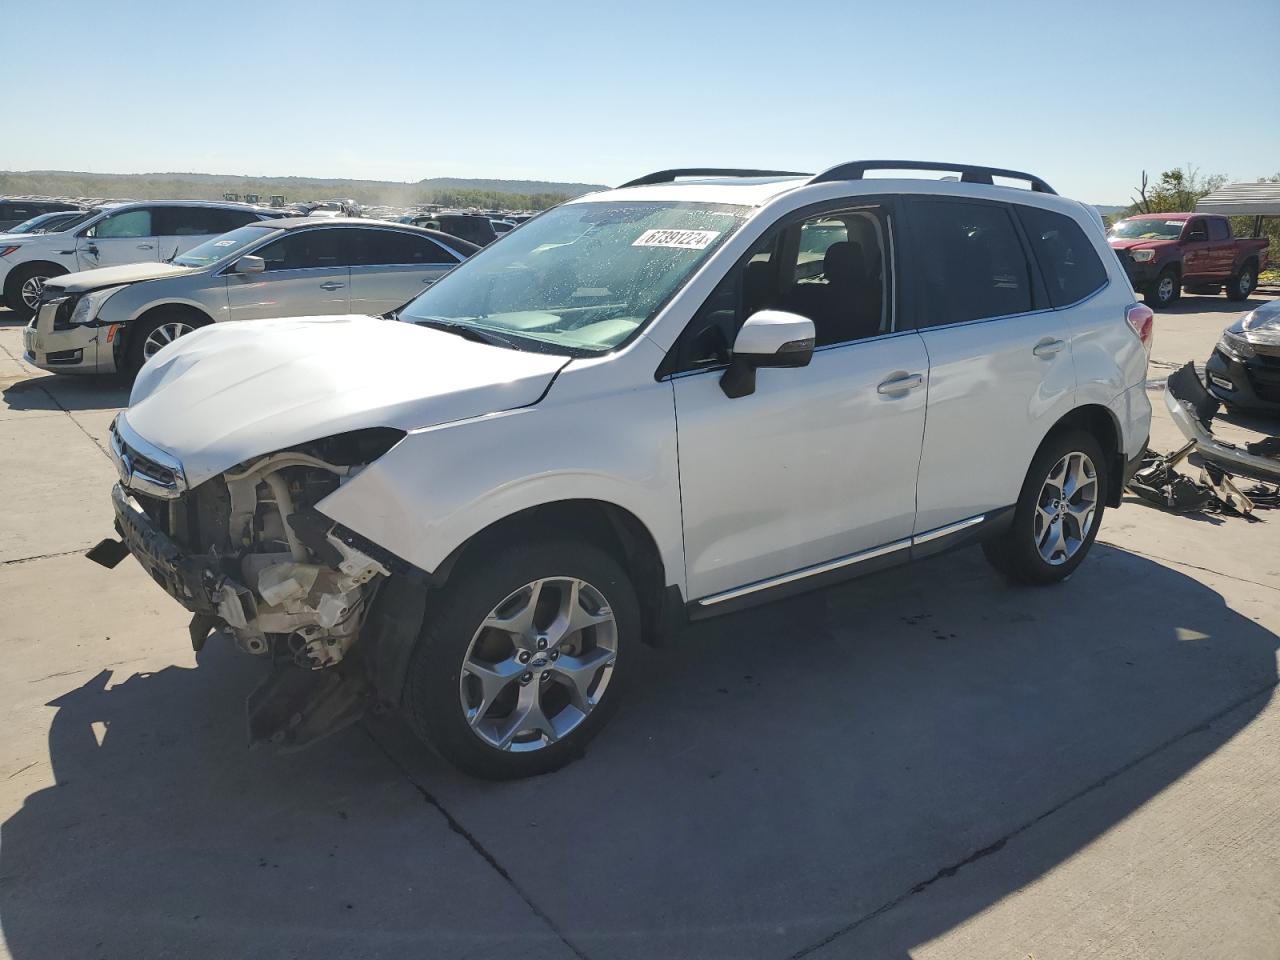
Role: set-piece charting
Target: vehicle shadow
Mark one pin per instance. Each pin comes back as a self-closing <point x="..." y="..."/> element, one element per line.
<point x="1212" y="303"/>
<point x="71" y="393"/>
<point x="782" y="774"/>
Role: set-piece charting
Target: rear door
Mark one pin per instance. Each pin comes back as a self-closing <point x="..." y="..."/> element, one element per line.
<point x="307" y="274"/>
<point x="126" y="236"/>
<point x="1000" y="367"/>
<point x="178" y="229"/>
<point x="392" y="267"/>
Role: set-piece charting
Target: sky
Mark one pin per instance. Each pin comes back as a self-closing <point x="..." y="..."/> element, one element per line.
<point x="1084" y="94"/>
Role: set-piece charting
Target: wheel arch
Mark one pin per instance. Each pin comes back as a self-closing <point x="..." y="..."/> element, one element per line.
<point x="604" y="524"/>
<point x="130" y="329"/>
<point x="21" y="269"/>
<point x="1101" y="423"/>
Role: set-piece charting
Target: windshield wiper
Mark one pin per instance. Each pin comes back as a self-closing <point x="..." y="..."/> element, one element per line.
<point x="467" y="332"/>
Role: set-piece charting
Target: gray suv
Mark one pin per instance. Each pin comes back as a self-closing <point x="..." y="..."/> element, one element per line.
<point x="115" y="318"/>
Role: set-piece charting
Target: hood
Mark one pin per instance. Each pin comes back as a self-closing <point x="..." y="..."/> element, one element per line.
<point x="87" y="280"/>
<point x="232" y="391"/>
<point x="1261" y="328"/>
<point x="1124" y="243"/>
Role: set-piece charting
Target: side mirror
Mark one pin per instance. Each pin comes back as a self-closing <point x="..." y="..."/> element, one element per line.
<point x="769" y="338"/>
<point x="250" y="264"/>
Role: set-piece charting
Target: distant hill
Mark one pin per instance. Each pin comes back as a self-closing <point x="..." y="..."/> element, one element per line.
<point x="534" y="194"/>
<point x="1108" y="209"/>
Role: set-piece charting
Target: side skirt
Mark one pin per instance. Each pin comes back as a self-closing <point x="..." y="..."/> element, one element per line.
<point x="917" y="547"/>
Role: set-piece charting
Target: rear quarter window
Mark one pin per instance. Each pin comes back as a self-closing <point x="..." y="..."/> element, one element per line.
<point x="1068" y="262"/>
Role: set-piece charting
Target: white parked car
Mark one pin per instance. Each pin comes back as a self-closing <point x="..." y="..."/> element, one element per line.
<point x="117" y="233"/>
<point x="113" y="319"/>
<point x="648" y="405"/>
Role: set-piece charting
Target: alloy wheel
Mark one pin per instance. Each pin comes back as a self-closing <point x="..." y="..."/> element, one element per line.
<point x="31" y="290"/>
<point x="1065" y="508"/>
<point x="538" y="664"/>
<point x="164" y="335"/>
<point x="1246" y="283"/>
<point x="1165" y="290"/>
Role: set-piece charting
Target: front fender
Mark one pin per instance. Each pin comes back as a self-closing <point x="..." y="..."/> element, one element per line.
<point x="441" y="486"/>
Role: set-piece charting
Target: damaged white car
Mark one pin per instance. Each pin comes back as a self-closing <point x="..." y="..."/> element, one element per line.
<point x="656" y="404"/>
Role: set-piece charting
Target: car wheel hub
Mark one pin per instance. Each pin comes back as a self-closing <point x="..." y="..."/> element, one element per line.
<point x="538" y="664"/>
<point x="164" y="335"/>
<point x="31" y="290"/>
<point x="1066" y="508"/>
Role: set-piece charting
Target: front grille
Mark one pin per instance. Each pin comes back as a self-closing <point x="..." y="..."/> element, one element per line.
<point x="1264" y="374"/>
<point x="148" y="466"/>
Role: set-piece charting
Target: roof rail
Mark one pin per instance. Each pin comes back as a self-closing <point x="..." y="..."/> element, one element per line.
<point x="968" y="173"/>
<point x="669" y="176"/>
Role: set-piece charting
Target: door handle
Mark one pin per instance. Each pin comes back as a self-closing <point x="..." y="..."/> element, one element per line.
<point x="332" y="285"/>
<point x="900" y="383"/>
<point x="146" y="246"/>
<point x="1048" y="347"/>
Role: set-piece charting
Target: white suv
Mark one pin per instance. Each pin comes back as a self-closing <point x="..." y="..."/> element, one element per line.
<point x="110" y="235"/>
<point x="653" y="404"/>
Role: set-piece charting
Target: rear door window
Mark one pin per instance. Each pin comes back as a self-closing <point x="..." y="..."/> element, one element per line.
<point x="387" y="247"/>
<point x="1218" y="230"/>
<point x="199" y="221"/>
<point x="970" y="262"/>
<point x="1068" y="262"/>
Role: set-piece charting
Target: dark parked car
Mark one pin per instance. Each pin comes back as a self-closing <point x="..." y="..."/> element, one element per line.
<point x="17" y="210"/>
<point x="1244" y="368"/>
<point x="470" y="227"/>
<point x="1165" y="253"/>
<point x="49" y="222"/>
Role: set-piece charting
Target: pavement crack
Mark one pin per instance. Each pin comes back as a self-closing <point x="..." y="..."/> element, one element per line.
<point x="478" y="847"/>
<point x="952" y="869"/>
<point x="43" y="556"/>
<point x="1182" y="563"/>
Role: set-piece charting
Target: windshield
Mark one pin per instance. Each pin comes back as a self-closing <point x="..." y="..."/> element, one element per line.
<point x="582" y="277"/>
<point x="1146" y="230"/>
<point x="219" y="248"/>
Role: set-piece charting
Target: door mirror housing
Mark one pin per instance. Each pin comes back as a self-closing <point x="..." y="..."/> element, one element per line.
<point x="250" y="264"/>
<point x="768" y="338"/>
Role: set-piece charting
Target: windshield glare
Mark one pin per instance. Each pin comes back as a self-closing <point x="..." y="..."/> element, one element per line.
<point x="1147" y="230"/>
<point x="580" y="278"/>
<point x="227" y="245"/>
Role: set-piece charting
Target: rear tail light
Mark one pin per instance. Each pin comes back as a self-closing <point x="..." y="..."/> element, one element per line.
<point x="1143" y="321"/>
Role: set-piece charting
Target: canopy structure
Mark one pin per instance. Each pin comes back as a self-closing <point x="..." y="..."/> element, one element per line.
<point x="1243" y="200"/>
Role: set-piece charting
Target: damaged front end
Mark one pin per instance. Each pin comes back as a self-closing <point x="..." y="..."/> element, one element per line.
<point x="246" y="551"/>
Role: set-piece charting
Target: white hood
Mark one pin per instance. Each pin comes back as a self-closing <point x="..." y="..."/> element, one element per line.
<point x="231" y="391"/>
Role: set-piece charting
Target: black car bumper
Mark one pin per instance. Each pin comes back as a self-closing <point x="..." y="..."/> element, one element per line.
<point x="1247" y="384"/>
<point x="1141" y="275"/>
<point x="195" y="582"/>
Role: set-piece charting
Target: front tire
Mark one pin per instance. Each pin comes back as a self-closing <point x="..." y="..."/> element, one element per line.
<point x="1058" y="512"/>
<point x="24" y="286"/>
<point x="1242" y="284"/>
<point x="523" y="658"/>
<point x="155" y="332"/>
<point x="1166" y="290"/>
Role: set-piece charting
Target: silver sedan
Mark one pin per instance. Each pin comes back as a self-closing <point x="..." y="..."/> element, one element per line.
<point x="115" y="318"/>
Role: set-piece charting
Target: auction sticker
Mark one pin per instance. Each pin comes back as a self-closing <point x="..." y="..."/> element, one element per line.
<point x="681" y="239"/>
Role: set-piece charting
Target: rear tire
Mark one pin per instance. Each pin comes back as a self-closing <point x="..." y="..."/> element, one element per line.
<point x="1026" y="552"/>
<point x="156" y="331"/>
<point x="469" y="683"/>
<point x="22" y="289"/>
<point x="1243" y="283"/>
<point x="1165" y="291"/>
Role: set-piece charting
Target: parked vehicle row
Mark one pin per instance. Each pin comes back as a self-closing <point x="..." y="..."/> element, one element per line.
<point x="478" y="513"/>
<point x="1166" y="253"/>
<point x="114" y="234"/>
<point x="19" y="210"/>
<point x="115" y="318"/>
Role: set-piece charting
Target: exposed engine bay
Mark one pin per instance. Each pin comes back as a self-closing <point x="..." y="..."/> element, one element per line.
<point x="247" y="552"/>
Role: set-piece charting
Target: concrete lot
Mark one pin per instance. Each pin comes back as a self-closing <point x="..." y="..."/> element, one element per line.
<point x="926" y="763"/>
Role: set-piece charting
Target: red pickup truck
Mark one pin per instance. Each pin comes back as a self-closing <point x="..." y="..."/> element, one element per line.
<point x="1164" y="253"/>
